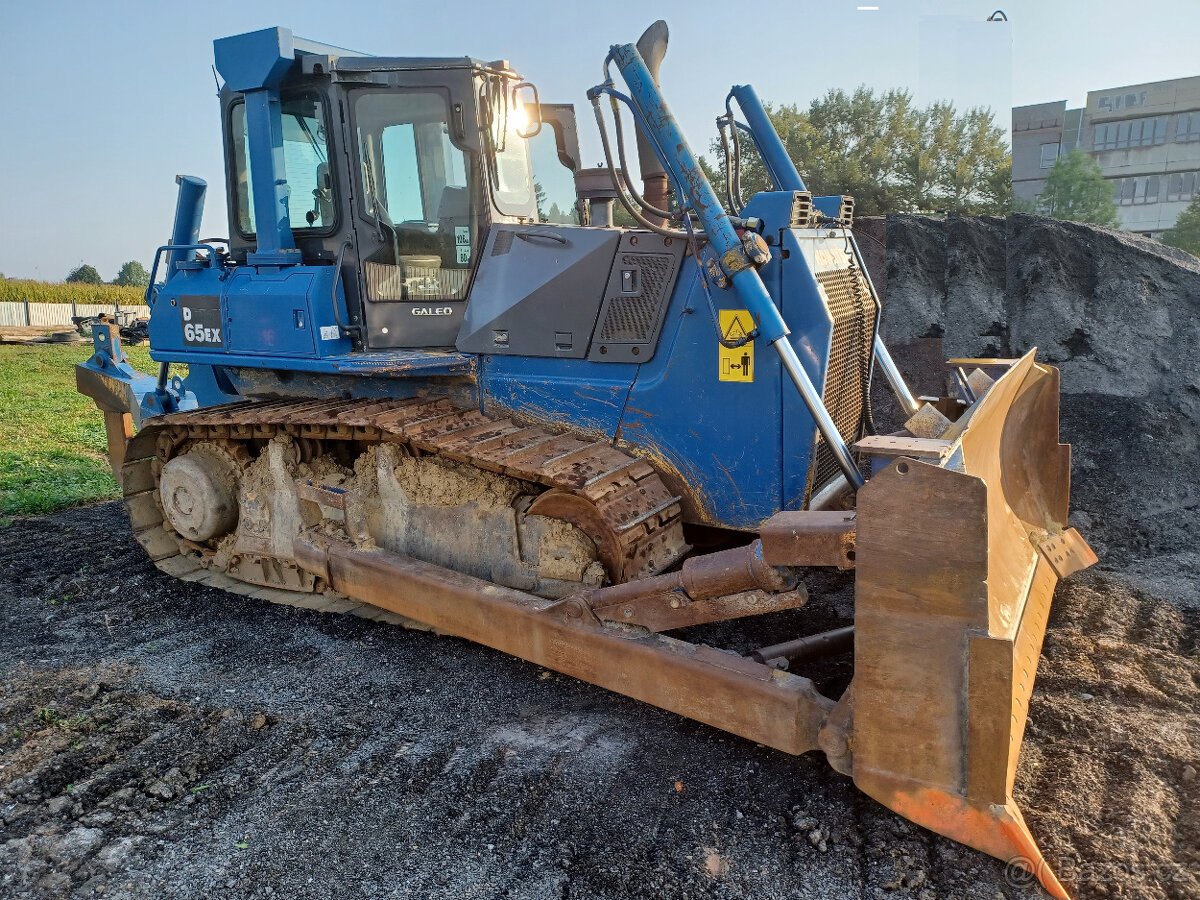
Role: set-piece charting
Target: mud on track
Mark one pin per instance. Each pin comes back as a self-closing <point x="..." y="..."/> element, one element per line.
<point x="168" y="740"/>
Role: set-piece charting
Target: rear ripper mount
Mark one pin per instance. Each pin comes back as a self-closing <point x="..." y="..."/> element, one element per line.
<point x="948" y="622"/>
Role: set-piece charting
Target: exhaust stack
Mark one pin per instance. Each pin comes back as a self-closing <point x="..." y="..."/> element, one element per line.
<point x="189" y="209"/>
<point x="652" y="45"/>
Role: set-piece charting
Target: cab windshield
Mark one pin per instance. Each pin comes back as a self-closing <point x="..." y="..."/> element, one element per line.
<point x="417" y="189"/>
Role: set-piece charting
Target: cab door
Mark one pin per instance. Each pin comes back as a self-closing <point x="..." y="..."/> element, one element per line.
<point x="418" y="222"/>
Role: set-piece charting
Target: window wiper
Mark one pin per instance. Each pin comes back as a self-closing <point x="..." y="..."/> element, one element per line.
<point x="372" y="195"/>
<point x="303" y="123"/>
<point x="378" y="210"/>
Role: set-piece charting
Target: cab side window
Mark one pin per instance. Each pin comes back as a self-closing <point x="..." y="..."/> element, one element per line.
<point x="311" y="202"/>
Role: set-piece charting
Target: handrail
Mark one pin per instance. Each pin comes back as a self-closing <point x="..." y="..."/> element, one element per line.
<point x="337" y="277"/>
<point x="545" y="235"/>
<point x="212" y="262"/>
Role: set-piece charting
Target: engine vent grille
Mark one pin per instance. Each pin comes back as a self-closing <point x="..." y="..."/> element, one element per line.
<point x="855" y="313"/>
<point x="634" y="317"/>
<point x="503" y="243"/>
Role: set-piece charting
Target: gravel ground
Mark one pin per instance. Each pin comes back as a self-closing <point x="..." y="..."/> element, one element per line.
<point x="161" y="739"/>
<point x="177" y="741"/>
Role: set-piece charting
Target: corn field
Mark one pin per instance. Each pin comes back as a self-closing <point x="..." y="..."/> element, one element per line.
<point x="14" y="291"/>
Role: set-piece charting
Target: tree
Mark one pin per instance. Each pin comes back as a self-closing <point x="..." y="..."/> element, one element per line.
<point x="1077" y="191"/>
<point x="1026" y="205"/>
<point x="622" y="218"/>
<point x="889" y="154"/>
<point x="960" y="164"/>
<point x="133" y="274"/>
<point x="560" y="216"/>
<point x="1186" y="233"/>
<point x="84" y="274"/>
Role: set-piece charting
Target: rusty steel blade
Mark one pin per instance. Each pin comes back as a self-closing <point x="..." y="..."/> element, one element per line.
<point x="957" y="560"/>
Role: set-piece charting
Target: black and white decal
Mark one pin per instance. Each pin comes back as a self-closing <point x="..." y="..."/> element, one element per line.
<point x="201" y="321"/>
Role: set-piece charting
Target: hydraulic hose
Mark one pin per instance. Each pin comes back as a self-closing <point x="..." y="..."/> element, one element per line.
<point x="620" y="135"/>
<point x="617" y="185"/>
<point x="728" y="168"/>
<point x="737" y="158"/>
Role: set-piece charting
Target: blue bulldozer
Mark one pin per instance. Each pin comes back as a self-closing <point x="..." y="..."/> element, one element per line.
<point x="393" y="388"/>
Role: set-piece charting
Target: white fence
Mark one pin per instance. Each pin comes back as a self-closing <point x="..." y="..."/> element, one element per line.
<point x="51" y="314"/>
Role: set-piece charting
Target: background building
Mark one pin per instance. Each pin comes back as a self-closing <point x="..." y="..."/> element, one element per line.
<point x="1146" y="138"/>
<point x="1037" y="135"/>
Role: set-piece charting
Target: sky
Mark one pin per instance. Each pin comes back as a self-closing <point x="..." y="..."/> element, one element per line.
<point x="103" y="104"/>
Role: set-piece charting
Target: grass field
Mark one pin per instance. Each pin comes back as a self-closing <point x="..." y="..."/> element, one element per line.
<point x="52" y="446"/>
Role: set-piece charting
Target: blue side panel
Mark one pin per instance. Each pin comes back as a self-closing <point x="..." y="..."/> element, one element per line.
<point x="718" y="441"/>
<point x="575" y="393"/>
<point x="266" y="316"/>
<point x="790" y="281"/>
<point x="268" y="313"/>
<point x="166" y="317"/>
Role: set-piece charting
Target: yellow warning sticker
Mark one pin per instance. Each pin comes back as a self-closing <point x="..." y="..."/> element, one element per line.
<point x="736" y="364"/>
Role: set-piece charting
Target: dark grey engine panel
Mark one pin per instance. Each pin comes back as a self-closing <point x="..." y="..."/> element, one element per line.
<point x="538" y="290"/>
<point x="636" y="297"/>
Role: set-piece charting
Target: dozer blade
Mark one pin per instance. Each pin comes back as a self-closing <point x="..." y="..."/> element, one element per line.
<point x="956" y="565"/>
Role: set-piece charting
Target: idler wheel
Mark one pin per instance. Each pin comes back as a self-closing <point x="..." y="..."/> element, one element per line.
<point x="199" y="494"/>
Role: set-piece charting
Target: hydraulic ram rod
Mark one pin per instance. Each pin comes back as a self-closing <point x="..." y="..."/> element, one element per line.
<point x="686" y="172"/>
<point x="903" y="395"/>
<point x="774" y="155"/>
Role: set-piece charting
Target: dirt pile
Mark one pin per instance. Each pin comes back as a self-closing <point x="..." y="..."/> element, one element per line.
<point x="1108" y="773"/>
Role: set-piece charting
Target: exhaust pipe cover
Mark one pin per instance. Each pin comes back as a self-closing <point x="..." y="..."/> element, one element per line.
<point x="652" y="45"/>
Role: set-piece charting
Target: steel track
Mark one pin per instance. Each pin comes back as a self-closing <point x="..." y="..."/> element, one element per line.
<point x="617" y="499"/>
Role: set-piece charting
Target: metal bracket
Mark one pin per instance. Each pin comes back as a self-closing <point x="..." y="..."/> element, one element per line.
<point x="675" y="609"/>
<point x="1067" y="553"/>
<point x="809" y="538"/>
<point x="321" y="502"/>
<point x="887" y="445"/>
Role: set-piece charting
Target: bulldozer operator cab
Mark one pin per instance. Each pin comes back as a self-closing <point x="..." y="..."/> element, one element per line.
<point x="398" y="167"/>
